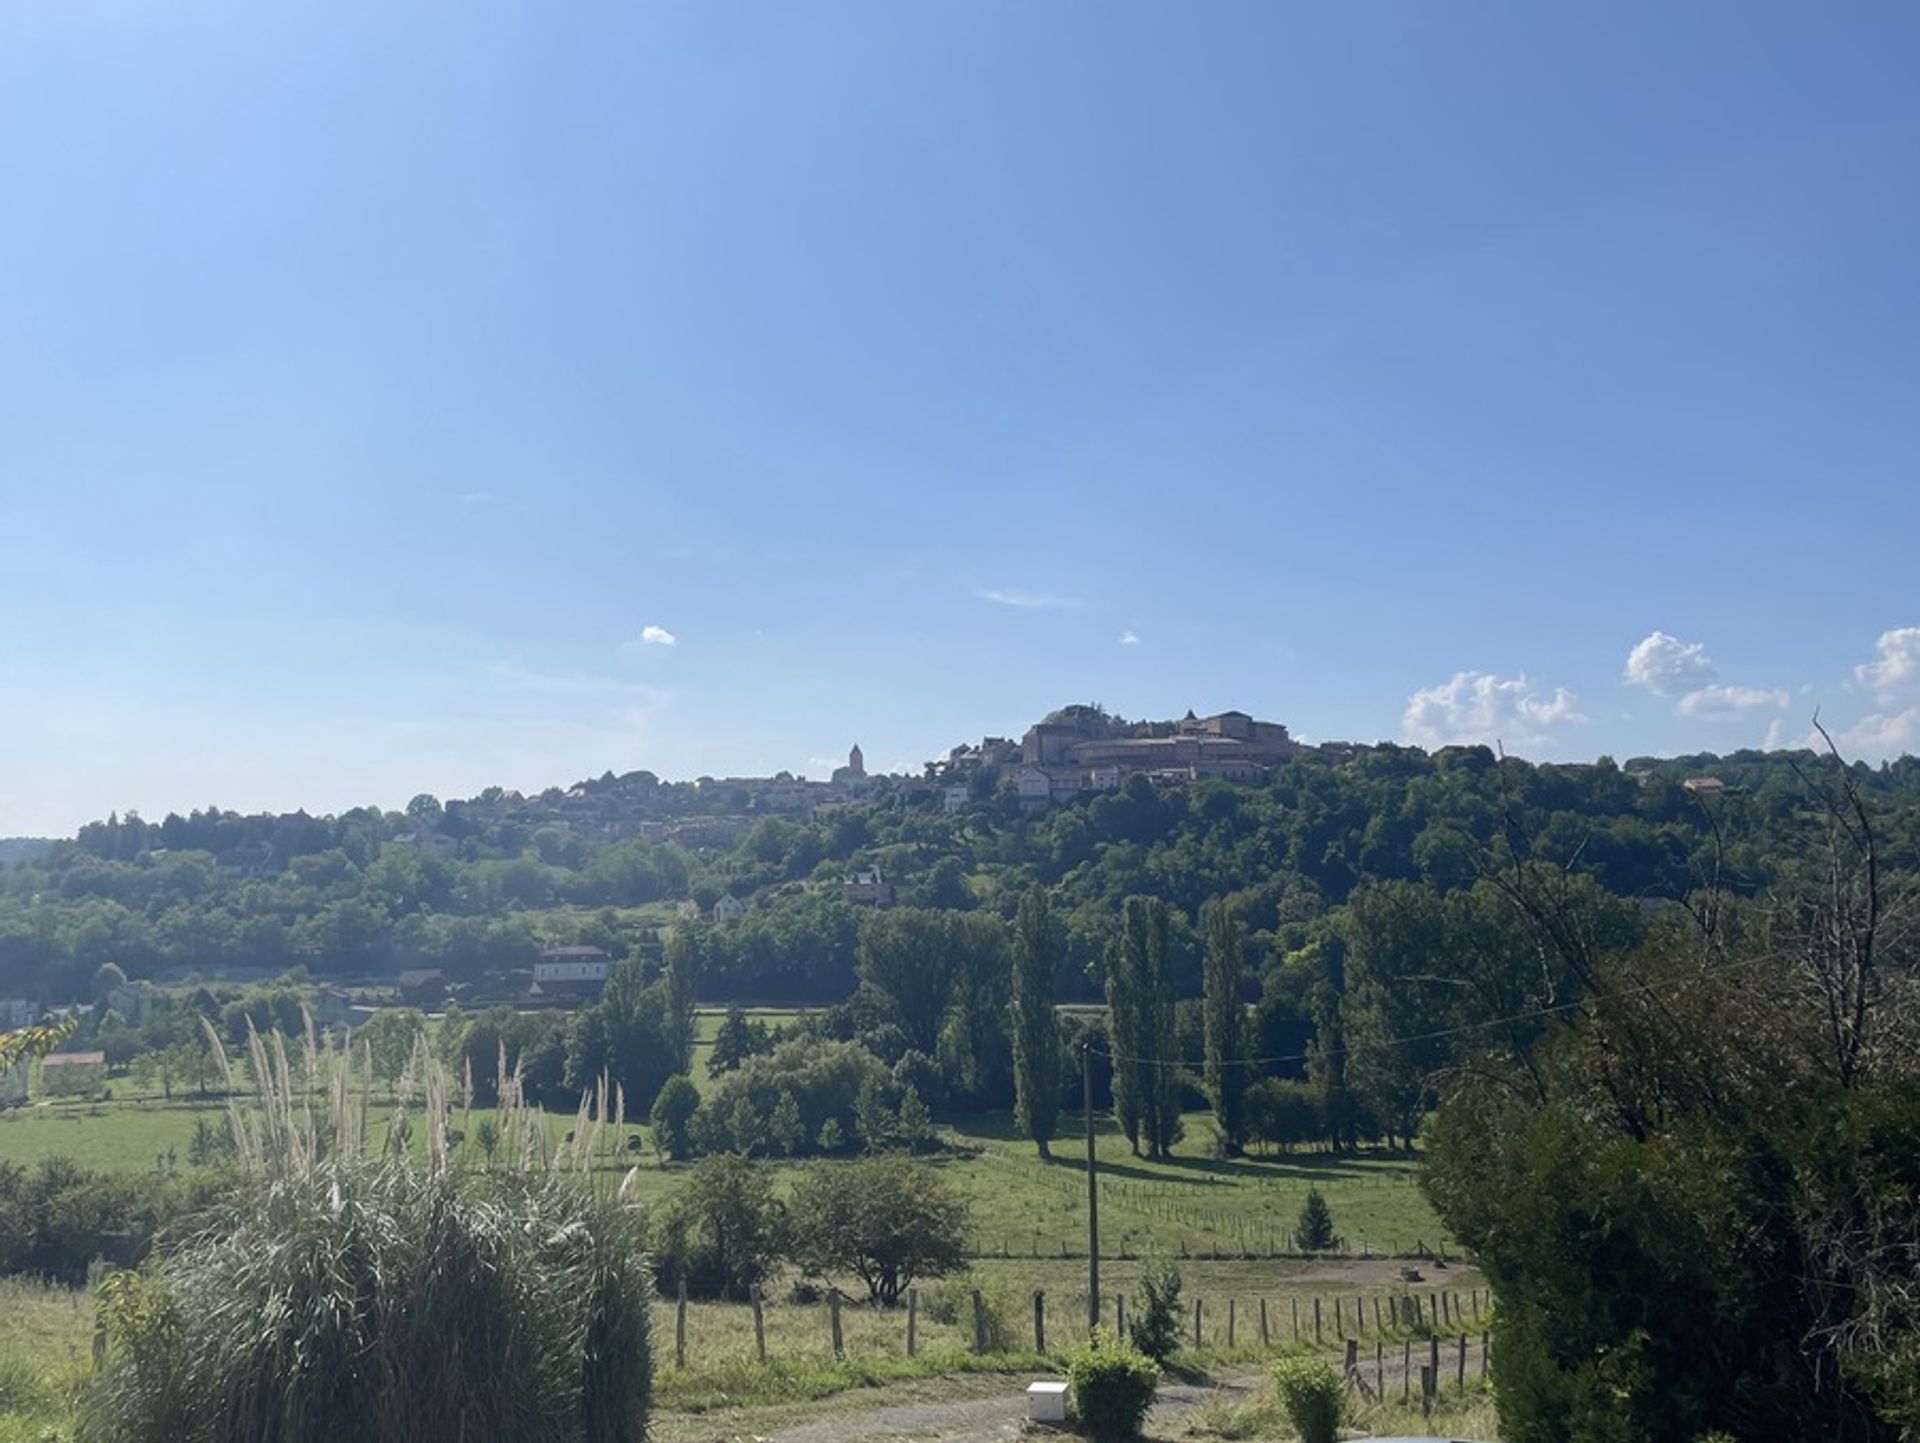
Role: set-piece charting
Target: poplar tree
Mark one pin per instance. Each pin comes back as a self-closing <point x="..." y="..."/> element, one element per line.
<point x="1146" y="1043"/>
<point x="1039" y="942"/>
<point x="1126" y="968"/>
<point x="1160" y="1070"/>
<point x="1225" y="1023"/>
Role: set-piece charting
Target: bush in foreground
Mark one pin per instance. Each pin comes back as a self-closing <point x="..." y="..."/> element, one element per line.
<point x="379" y="1301"/>
<point x="1312" y="1394"/>
<point x="1112" y="1386"/>
<point x="346" y="1291"/>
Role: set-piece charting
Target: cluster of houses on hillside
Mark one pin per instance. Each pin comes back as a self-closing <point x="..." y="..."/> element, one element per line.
<point x="1082" y="750"/>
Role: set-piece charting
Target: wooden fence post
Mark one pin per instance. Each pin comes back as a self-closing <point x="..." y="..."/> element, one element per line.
<point x="1486" y="1347"/>
<point x="1196" y="1323"/>
<point x="913" y="1321"/>
<point x="680" y="1328"/>
<point x="1380" y="1368"/>
<point x="1376" y="1313"/>
<point x="759" y="1326"/>
<point x="979" y="1322"/>
<point x="1339" y="1317"/>
<point x="1120" y="1315"/>
<point x="1316" y="1320"/>
<point x="1460" y="1366"/>
<point x="833" y="1322"/>
<point x="1039" y="1322"/>
<point x="1230" y="1312"/>
<point x="1406" y="1370"/>
<point x="1296" y="1318"/>
<point x="1427" y="1387"/>
<point x="1433" y="1357"/>
<point x="1393" y="1308"/>
<point x="1350" y="1365"/>
<point x="1265" y="1341"/>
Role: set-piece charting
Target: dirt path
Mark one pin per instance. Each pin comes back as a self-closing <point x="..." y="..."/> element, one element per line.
<point x="992" y="1410"/>
<point x="998" y="1416"/>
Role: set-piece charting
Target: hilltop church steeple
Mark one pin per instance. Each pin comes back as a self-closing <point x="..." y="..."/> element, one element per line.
<point x="856" y="763"/>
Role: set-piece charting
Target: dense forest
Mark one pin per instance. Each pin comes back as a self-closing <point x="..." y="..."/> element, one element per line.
<point x="479" y="888"/>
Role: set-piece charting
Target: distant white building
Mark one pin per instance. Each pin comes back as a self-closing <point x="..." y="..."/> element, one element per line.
<point x="955" y="798"/>
<point x="728" y="907"/>
<point x="17" y="1012"/>
<point x="570" y="971"/>
<point x="688" y="910"/>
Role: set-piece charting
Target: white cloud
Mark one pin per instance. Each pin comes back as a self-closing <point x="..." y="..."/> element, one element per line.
<point x="1881" y="736"/>
<point x="1476" y="706"/>
<point x="1897" y="673"/>
<point x="1719" y="703"/>
<point x="651" y="635"/>
<point x="1127" y="638"/>
<point x="1029" y="600"/>
<point x="1667" y="665"/>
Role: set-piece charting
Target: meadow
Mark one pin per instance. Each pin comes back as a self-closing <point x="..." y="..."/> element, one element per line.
<point x="1226" y="1221"/>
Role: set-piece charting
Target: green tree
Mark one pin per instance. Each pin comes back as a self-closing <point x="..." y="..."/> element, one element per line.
<point x="889" y="1220"/>
<point x="1155" y="1325"/>
<point x="733" y="1228"/>
<point x="1314" y="1231"/>
<point x="390" y="1037"/>
<point x="1039" y="943"/>
<point x="788" y="1127"/>
<point x="685" y="958"/>
<point x="911" y="959"/>
<point x="1146" y="1038"/>
<point x="876" y="1122"/>
<point x="738" y="1038"/>
<point x="915" y="1123"/>
<point x="1225" y="1021"/>
<point x="672" y="1117"/>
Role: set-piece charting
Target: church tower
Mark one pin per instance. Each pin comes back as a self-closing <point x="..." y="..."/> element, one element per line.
<point x="856" y="763"/>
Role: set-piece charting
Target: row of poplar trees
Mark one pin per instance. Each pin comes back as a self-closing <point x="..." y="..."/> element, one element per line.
<point x="1143" y="1028"/>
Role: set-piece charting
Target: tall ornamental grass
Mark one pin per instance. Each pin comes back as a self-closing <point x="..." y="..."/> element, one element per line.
<point x="351" y="1292"/>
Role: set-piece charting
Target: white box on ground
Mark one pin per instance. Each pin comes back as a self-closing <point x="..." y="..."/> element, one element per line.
<point x="1047" y="1401"/>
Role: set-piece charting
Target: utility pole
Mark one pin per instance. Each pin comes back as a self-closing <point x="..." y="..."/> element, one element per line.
<point x="1093" y="1190"/>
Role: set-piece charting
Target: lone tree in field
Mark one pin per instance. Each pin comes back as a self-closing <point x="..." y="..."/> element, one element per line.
<point x="1226" y="1026"/>
<point x="1314" y="1231"/>
<point x="887" y="1219"/>
<point x="1038" y="944"/>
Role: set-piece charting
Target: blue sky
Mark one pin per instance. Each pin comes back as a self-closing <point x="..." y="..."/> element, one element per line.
<point x="371" y="376"/>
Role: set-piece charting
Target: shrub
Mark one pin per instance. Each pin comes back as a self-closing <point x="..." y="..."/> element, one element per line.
<point x="1312" y="1394"/>
<point x="1112" y="1386"/>
<point x="58" y="1217"/>
<point x="1315" y="1228"/>
<point x="340" y="1294"/>
<point x="380" y="1301"/>
<point x="1155" y="1326"/>
<point x="822" y="1077"/>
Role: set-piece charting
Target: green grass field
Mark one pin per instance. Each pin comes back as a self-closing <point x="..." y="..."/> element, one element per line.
<point x="46" y="1332"/>
<point x="45" y="1357"/>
